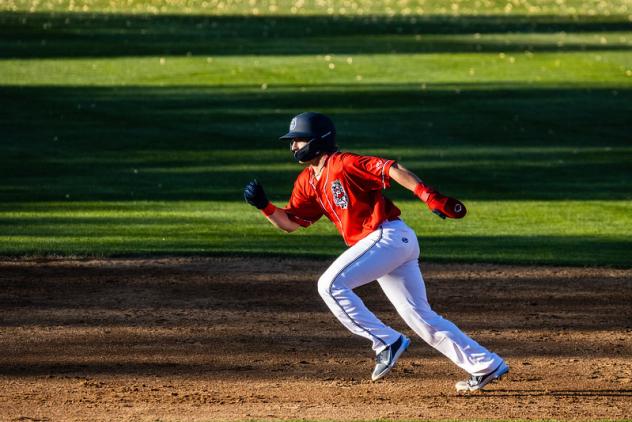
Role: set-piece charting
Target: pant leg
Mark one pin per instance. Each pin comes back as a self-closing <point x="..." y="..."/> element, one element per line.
<point x="377" y="254"/>
<point x="405" y="288"/>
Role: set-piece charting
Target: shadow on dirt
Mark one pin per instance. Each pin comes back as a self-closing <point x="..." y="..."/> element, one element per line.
<point x="161" y="318"/>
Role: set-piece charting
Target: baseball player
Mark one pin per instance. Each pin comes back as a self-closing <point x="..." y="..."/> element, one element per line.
<point x="347" y="189"/>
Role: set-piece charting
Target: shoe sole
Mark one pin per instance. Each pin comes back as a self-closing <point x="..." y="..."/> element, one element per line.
<point x="401" y="350"/>
<point x="495" y="377"/>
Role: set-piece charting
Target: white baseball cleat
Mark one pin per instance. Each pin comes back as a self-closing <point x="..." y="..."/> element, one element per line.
<point x="386" y="359"/>
<point x="478" y="382"/>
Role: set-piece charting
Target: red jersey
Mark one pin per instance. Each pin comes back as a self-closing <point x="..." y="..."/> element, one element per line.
<point x="348" y="192"/>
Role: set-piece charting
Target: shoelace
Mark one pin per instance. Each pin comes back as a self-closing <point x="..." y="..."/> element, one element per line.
<point x="475" y="380"/>
<point x="383" y="356"/>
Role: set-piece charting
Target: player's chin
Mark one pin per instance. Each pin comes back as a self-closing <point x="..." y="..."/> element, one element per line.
<point x="301" y="162"/>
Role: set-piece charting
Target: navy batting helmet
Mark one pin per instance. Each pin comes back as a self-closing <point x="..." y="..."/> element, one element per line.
<point x="318" y="129"/>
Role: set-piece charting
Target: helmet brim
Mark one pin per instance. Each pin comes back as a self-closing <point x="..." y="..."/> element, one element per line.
<point x="293" y="134"/>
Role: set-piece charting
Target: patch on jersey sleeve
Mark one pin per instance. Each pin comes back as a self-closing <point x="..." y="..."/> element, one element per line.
<point x="341" y="198"/>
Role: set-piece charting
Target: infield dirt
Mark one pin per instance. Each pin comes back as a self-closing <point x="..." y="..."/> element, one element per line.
<point x="243" y="338"/>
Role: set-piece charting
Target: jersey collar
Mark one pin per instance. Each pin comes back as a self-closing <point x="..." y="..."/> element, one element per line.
<point x="322" y="169"/>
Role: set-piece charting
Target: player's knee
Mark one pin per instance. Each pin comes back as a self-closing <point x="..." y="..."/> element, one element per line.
<point x="331" y="286"/>
<point x="324" y="286"/>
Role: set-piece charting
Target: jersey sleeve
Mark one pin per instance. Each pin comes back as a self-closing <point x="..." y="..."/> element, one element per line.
<point x="303" y="208"/>
<point x="370" y="173"/>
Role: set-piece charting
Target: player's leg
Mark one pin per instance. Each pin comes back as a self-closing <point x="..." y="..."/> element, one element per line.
<point x="404" y="286"/>
<point x="360" y="264"/>
<point x="377" y="254"/>
<point x="405" y="289"/>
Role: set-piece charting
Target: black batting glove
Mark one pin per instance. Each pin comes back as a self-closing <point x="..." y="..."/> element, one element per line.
<point x="255" y="196"/>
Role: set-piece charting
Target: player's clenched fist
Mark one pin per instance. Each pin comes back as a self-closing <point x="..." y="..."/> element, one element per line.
<point x="255" y="196"/>
<point x="442" y="205"/>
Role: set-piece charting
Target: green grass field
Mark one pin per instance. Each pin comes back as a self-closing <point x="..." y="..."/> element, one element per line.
<point x="131" y="127"/>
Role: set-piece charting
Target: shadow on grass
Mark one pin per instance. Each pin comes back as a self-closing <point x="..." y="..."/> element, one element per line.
<point x="40" y="35"/>
<point x="483" y="141"/>
<point x="139" y="237"/>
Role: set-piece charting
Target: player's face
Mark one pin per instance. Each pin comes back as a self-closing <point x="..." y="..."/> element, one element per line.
<point x="298" y="143"/>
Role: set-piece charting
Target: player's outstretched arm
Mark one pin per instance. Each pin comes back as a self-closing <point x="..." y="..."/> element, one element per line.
<point x="404" y="177"/>
<point x="443" y="206"/>
<point x="255" y="196"/>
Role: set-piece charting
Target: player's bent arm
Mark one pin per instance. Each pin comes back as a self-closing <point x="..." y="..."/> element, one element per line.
<point x="280" y="220"/>
<point x="255" y="196"/>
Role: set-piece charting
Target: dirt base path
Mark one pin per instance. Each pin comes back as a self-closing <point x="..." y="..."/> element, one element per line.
<point x="234" y="339"/>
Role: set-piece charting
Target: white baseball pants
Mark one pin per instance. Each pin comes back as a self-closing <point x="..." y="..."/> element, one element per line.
<point x="390" y="256"/>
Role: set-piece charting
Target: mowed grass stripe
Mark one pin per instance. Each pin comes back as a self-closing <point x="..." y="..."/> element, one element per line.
<point x="484" y="217"/>
<point x="605" y="68"/>
<point x="203" y="144"/>
<point x="454" y="8"/>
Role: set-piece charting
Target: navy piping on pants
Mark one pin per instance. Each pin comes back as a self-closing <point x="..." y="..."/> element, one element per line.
<point x="343" y="309"/>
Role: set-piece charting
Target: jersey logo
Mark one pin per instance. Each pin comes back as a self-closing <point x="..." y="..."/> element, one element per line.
<point x="340" y="196"/>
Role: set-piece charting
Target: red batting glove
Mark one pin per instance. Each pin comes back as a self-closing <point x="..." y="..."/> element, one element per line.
<point x="443" y="206"/>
